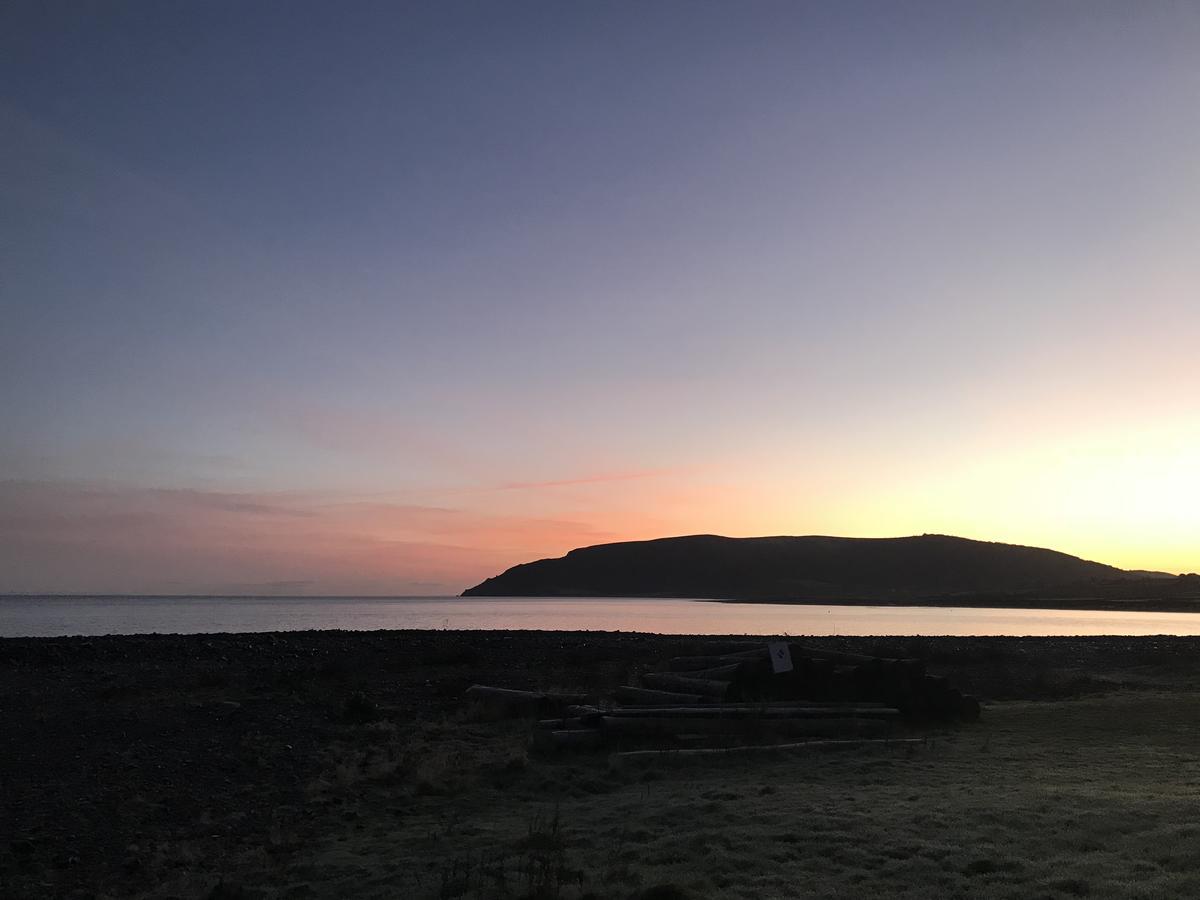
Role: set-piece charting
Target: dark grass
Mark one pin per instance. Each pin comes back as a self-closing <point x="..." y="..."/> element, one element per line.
<point x="345" y="764"/>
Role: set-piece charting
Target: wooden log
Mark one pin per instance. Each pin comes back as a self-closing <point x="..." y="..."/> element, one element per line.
<point x="583" y="711"/>
<point x="641" y="756"/>
<point x="882" y="677"/>
<point x="800" y="701"/>
<point x="507" y="701"/>
<point x="630" y="694"/>
<point x="913" y="668"/>
<point x="852" y="683"/>
<point x="837" y="657"/>
<point x="749" y="704"/>
<point x="935" y="698"/>
<point x="897" y="692"/>
<point x="759" y="652"/>
<point x="729" y="648"/>
<point x="719" y="673"/>
<point x="569" y="739"/>
<point x="519" y="703"/>
<point x="758" y="682"/>
<point x="949" y="703"/>
<point x="843" y="683"/>
<point x="571" y="723"/>
<point x="934" y="688"/>
<point x="693" y="663"/>
<point x="665" y="681"/>
<point x="935" y="683"/>
<point x="814" y="677"/>
<point x="631" y="726"/>
<point x="723" y="711"/>
<point x="696" y="663"/>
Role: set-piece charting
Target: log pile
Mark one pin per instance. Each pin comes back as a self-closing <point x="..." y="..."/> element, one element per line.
<point x="816" y="675"/>
<point x="498" y="701"/>
<point x="736" y="697"/>
<point x="621" y="727"/>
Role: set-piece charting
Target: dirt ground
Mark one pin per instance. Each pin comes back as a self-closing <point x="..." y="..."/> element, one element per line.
<point x="322" y="764"/>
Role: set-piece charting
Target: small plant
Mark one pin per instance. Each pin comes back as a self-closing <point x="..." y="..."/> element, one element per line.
<point x="543" y="868"/>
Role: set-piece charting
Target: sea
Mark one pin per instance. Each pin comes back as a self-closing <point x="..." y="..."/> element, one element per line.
<point x="50" y="616"/>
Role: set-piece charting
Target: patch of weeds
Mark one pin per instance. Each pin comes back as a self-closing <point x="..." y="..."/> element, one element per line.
<point x="616" y="868"/>
<point x="542" y="867"/>
<point x="482" y="876"/>
<point x="359" y="709"/>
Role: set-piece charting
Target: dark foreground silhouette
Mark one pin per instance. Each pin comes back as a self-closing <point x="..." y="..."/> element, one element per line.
<point x="347" y="764"/>
<point x="927" y="568"/>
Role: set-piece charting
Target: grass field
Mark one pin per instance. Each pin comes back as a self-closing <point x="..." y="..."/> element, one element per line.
<point x="336" y="765"/>
<point x="1094" y="797"/>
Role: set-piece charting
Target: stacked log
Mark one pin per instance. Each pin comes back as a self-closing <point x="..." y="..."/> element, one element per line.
<point x="635" y="695"/>
<point x="674" y="724"/>
<point x="589" y="727"/>
<point x="712" y="688"/>
<point x="737" y="718"/>
<point x="508" y="702"/>
<point x="745" y="673"/>
<point x="567" y="739"/>
<point x="733" y="695"/>
<point x="687" y="753"/>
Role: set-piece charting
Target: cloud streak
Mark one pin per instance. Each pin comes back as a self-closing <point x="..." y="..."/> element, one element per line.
<point x="603" y="478"/>
<point x="78" y="537"/>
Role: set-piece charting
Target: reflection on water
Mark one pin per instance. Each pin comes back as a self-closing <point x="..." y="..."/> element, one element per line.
<point x="47" y="616"/>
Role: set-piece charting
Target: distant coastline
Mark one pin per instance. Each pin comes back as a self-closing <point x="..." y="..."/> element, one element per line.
<point x="920" y="571"/>
<point x="1081" y="604"/>
<point x="1187" y="601"/>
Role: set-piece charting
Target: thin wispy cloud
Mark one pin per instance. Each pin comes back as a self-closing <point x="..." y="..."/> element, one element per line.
<point x="493" y="287"/>
<point x="78" y="537"/>
<point x="602" y="478"/>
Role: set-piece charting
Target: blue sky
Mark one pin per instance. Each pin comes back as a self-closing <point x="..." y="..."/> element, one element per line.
<point x="619" y="269"/>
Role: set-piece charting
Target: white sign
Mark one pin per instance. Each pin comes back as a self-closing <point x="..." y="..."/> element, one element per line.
<point x="781" y="656"/>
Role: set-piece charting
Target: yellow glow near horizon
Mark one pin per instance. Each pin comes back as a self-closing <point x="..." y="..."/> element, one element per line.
<point x="1125" y="496"/>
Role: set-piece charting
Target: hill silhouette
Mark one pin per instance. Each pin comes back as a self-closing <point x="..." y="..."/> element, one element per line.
<point x="791" y="568"/>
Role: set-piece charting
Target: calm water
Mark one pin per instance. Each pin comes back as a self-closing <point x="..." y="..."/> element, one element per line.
<point x="48" y="616"/>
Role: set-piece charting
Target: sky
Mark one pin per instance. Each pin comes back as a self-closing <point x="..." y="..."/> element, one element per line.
<point x="383" y="298"/>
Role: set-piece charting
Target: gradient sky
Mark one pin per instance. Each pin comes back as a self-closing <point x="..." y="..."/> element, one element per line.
<point x="386" y="297"/>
